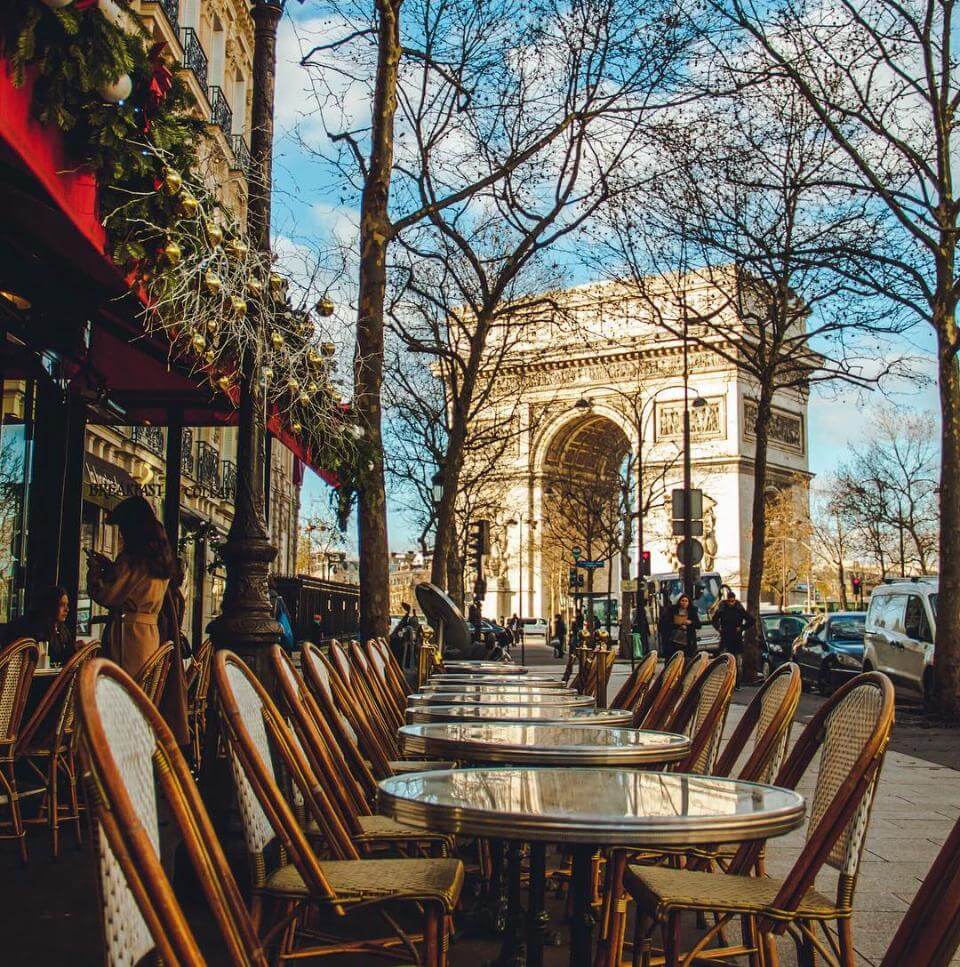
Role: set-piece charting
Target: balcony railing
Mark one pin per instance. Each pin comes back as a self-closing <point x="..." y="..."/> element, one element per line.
<point x="186" y="452"/>
<point x="229" y="489"/>
<point x="194" y="58"/>
<point x="220" y="111"/>
<point x="208" y="466"/>
<point x="150" y="437"/>
<point x="172" y="10"/>
<point x="241" y="154"/>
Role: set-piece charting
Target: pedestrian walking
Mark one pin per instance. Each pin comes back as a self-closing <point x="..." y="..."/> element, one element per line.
<point x="731" y="619"/>
<point x="684" y="623"/>
<point x="559" y="636"/>
<point x="516" y="629"/>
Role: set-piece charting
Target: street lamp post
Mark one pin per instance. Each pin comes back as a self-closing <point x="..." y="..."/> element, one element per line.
<point x="518" y="523"/>
<point x="246" y="623"/>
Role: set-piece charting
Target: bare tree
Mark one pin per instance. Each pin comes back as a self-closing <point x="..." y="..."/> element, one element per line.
<point x="733" y="250"/>
<point x="788" y="552"/>
<point x="882" y="78"/>
<point x="520" y="80"/>
<point x="830" y="537"/>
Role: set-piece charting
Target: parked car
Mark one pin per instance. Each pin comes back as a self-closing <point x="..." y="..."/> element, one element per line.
<point x="503" y="637"/>
<point x="778" y="631"/>
<point x="901" y="629"/>
<point x="830" y="649"/>
<point x="534" y="628"/>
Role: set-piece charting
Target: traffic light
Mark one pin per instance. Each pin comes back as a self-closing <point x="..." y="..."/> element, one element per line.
<point x="572" y="576"/>
<point x="856" y="583"/>
<point x="645" y="563"/>
<point x="478" y="543"/>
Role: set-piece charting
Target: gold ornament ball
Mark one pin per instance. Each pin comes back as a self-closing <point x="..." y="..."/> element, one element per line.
<point x="278" y="285"/>
<point x="198" y="342"/>
<point x="189" y="206"/>
<point x="212" y="283"/>
<point x="306" y="326"/>
<point x="293" y="385"/>
<point x="276" y="339"/>
<point x="212" y="326"/>
<point x="214" y="233"/>
<point x="238" y="305"/>
<point x="313" y="357"/>
<point x="312" y="387"/>
<point x="236" y="248"/>
<point x="325" y="307"/>
<point x="172" y="182"/>
<point x="254" y="288"/>
<point x="328" y="349"/>
<point x="267" y="372"/>
<point x="209" y="356"/>
<point x="225" y="383"/>
<point x="296" y="426"/>
<point x="172" y="253"/>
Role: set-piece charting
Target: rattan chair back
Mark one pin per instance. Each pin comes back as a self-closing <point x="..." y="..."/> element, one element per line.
<point x="17" y="664"/>
<point x="377" y="656"/>
<point x="850" y="732"/>
<point x="764" y="728"/>
<point x="153" y="675"/>
<point x="702" y="713"/>
<point x="929" y="933"/>
<point x="391" y="717"/>
<point x="318" y="742"/>
<point x="363" y="703"/>
<point x="257" y="737"/>
<point x="691" y="673"/>
<point x="659" y="701"/>
<point x="200" y="671"/>
<point x="636" y="685"/>
<point x="394" y="671"/>
<point x="128" y="749"/>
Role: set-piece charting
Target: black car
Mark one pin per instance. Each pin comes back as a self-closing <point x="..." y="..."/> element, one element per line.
<point x="778" y="631"/>
<point x="487" y="627"/>
<point x="830" y="649"/>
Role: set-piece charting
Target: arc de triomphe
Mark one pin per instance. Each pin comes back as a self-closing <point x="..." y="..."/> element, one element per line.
<point x="580" y="396"/>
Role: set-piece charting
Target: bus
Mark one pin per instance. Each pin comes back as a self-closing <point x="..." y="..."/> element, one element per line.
<point x="667" y="588"/>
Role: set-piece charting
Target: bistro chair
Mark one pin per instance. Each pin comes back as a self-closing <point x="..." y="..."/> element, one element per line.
<point x="929" y="933"/>
<point x="850" y="732"/>
<point x="127" y="751"/>
<point x="47" y="745"/>
<point x="198" y="694"/>
<point x="385" y="665"/>
<point x="702" y="712"/>
<point x="391" y="715"/>
<point x="658" y="702"/>
<point x="17" y="663"/>
<point x="319" y="678"/>
<point x="153" y="675"/>
<point x="636" y="685"/>
<point x="259" y="739"/>
<point x="367" y="830"/>
<point x="691" y="673"/>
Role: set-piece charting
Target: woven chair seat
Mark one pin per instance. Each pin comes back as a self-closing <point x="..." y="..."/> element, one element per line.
<point x="357" y="881"/>
<point x="670" y="889"/>
<point x="419" y="765"/>
<point x="383" y="827"/>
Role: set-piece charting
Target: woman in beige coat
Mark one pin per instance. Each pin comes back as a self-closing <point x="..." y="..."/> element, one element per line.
<point x="134" y="588"/>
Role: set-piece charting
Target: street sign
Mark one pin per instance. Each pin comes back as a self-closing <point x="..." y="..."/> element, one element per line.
<point x="577" y="551"/>
<point x="591" y="565"/>
<point x="690" y="553"/>
<point x="696" y="504"/>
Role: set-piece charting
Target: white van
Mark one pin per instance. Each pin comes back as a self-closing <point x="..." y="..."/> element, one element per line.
<point x="534" y="628"/>
<point x="900" y="631"/>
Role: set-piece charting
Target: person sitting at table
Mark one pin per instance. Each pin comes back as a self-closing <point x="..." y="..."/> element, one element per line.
<point x="134" y="586"/>
<point x="46" y="621"/>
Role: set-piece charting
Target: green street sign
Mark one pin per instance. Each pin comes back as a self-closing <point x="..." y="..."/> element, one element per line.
<point x="577" y="551"/>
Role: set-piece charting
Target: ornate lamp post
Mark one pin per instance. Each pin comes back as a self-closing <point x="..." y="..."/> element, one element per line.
<point x="246" y="624"/>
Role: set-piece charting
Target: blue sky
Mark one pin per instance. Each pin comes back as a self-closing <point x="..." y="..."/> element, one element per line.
<point x="311" y="209"/>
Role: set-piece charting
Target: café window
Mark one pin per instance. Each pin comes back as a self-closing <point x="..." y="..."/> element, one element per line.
<point x="14" y="481"/>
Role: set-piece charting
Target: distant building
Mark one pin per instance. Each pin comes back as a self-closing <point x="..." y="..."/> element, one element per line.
<point x="407" y="570"/>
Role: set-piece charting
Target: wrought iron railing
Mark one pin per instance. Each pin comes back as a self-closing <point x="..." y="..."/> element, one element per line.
<point x="186" y="452"/>
<point x="208" y="466"/>
<point x="194" y="58"/>
<point x="229" y="477"/>
<point x="220" y="110"/>
<point x="172" y="10"/>
<point x="241" y="154"/>
<point x="150" y="437"/>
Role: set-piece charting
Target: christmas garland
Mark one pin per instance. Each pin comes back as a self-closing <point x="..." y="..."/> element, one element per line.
<point x="126" y="116"/>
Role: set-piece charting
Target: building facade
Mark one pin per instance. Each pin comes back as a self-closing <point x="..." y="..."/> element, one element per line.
<point x="592" y="400"/>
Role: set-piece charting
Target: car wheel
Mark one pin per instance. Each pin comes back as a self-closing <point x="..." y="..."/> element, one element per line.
<point x="765" y="669"/>
<point x="824" y="682"/>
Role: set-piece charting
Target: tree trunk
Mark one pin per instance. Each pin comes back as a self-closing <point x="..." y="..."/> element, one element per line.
<point x="947" y="655"/>
<point x="445" y="542"/>
<point x="454" y="575"/>
<point x="375" y="231"/>
<point x="761" y="427"/>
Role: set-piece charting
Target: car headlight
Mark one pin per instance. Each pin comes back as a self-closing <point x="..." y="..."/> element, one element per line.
<point x="848" y="661"/>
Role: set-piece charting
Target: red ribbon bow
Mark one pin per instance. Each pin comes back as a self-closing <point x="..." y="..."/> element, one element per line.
<point x="162" y="79"/>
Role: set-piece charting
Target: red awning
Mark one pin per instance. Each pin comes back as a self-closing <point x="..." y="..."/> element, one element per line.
<point x="134" y="370"/>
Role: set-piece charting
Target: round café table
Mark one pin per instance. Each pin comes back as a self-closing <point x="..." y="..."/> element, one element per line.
<point x="484" y="668"/>
<point x="520" y="685"/>
<point x="519" y="713"/>
<point x="565" y="745"/>
<point x="516" y="681"/>
<point x="527" y="698"/>
<point x="588" y="809"/>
